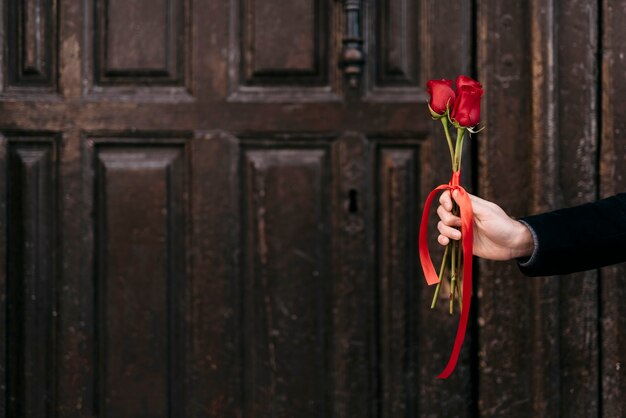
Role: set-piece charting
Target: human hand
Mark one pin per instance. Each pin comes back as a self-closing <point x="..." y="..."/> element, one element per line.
<point x="496" y="235"/>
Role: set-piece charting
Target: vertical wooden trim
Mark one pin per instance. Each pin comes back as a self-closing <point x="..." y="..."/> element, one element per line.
<point x="4" y="336"/>
<point x="75" y="291"/>
<point x="544" y="292"/>
<point x="613" y="180"/>
<point x="215" y="388"/>
<point x="505" y="347"/>
<point x="398" y="304"/>
<point x="577" y="27"/>
<point x="544" y="140"/>
<point x="352" y="298"/>
<point x="71" y="48"/>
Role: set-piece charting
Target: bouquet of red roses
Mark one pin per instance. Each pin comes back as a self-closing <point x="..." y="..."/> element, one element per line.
<point x="461" y="109"/>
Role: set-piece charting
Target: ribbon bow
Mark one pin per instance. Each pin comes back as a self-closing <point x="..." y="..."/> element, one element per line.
<point x="465" y="206"/>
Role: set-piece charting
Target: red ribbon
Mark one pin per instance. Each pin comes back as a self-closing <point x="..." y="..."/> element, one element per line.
<point x="467" y="239"/>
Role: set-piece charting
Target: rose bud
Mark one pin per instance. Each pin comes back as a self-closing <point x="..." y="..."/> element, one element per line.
<point x="441" y="96"/>
<point x="466" y="111"/>
<point x="464" y="80"/>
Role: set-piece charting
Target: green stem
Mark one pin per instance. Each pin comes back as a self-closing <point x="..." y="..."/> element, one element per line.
<point x="442" y="269"/>
<point x="444" y="122"/>
<point x="460" y="134"/>
<point x="456" y="273"/>
<point x="453" y="278"/>
<point x="460" y="295"/>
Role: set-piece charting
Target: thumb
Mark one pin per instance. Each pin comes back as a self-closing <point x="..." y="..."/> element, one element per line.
<point x="477" y="202"/>
<point x="479" y="206"/>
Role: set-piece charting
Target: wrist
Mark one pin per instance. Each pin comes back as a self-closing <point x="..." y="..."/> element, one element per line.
<point x="523" y="244"/>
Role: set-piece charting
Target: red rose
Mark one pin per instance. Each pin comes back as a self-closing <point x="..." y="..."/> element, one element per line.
<point x="464" y="80"/>
<point x="441" y="95"/>
<point x="466" y="111"/>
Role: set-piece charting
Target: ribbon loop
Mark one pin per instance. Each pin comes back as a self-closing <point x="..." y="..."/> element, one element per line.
<point x="467" y="233"/>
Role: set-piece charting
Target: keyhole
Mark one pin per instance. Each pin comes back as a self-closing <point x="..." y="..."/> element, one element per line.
<point x="353" y="205"/>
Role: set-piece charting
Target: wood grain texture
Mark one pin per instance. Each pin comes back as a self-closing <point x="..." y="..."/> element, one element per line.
<point x="613" y="180"/>
<point x="137" y="46"/>
<point x="353" y="320"/>
<point x="286" y="295"/>
<point x="215" y="286"/>
<point x="505" y="318"/>
<point x="233" y="99"/>
<point x="397" y="43"/>
<point x="31" y="276"/>
<point x="398" y="302"/>
<point x="140" y="279"/>
<point x="560" y="126"/>
<point x="30" y="46"/>
<point x="545" y="195"/>
<point x="577" y="172"/>
<point x="4" y="336"/>
<point x="75" y="291"/>
<point x="299" y="27"/>
<point x="443" y="57"/>
<point x="305" y="66"/>
<point x="397" y="46"/>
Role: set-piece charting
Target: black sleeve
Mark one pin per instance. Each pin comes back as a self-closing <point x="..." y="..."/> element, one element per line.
<point x="579" y="238"/>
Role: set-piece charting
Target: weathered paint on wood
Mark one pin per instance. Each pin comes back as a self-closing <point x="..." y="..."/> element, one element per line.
<point x="210" y="208"/>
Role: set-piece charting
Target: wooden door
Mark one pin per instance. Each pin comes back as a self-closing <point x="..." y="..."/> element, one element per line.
<point x="209" y="208"/>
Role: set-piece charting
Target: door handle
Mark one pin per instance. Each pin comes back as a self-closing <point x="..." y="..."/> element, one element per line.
<point x="353" y="57"/>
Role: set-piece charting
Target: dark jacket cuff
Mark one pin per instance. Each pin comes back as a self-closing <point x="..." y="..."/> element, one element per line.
<point x="526" y="264"/>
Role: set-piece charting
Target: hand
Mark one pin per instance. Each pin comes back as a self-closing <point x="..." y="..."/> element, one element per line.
<point x="496" y="235"/>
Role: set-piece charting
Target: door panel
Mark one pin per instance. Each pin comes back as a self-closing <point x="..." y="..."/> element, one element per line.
<point x="398" y="39"/>
<point x="398" y="361"/>
<point x="353" y="327"/>
<point x="299" y="30"/>
<point x="141" y="279"/>
<point x="30" y="275"/>
<point x="136" y="48"/>
<point x="31" y="53"/>
<point x="215" y="366"/>
<point x="139" y="42"/>
<point x="287" y="289"/>
<point x="283" y="51"/>
<point x="229" y="225"/>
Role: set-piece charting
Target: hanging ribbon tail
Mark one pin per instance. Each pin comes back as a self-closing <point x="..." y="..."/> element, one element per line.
<point x="465" y="205"/>
<point x="466" y="213"/>
<point x="425" y="260"/>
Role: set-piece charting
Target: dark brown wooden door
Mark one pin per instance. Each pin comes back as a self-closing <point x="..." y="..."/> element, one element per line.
<point x="209" y="208"/>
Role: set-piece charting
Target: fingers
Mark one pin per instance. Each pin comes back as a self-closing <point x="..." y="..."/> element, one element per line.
<point x="448" y="231"/>
<point x="447" y="217"/>
<point x="445" y="200"/>
<point x="443" y="240"/>
<point x="448" y="220"/>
